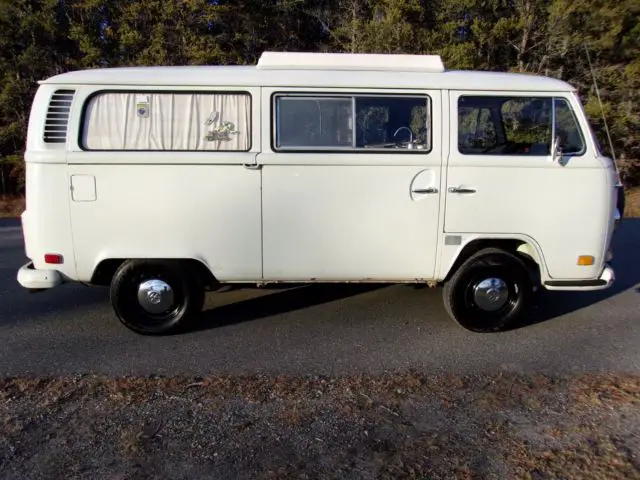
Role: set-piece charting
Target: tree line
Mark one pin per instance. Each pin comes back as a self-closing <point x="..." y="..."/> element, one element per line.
<point x="566" y="39"/>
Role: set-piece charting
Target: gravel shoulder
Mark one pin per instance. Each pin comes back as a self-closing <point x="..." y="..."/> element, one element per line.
<point x="402" y="425"/>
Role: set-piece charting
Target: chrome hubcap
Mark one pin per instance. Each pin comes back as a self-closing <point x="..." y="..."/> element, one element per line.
<point x="491" y="294"/>
<point x="155" y="296"/>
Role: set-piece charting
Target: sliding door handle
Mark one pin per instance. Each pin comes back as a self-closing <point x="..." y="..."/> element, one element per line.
<point x="461" y="190"/>
<point x="425" y="190"/>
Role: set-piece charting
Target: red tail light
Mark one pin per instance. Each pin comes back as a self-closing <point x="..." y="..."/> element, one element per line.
<point x="53" y="258"/>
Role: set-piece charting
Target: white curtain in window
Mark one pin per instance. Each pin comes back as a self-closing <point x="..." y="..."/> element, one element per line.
<point x="167" y="121"/>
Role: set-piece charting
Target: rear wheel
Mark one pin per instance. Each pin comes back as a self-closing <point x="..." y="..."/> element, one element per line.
<point x="154" y="297"/>
<point x="489" y="292"/>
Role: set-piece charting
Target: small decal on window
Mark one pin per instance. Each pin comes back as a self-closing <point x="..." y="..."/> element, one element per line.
<point x="142" y="106"/>
<point x="219" y="131"/>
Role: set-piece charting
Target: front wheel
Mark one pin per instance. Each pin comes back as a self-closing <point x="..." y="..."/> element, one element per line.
<point x="489" y="292"/>
<point x="154" y="297"/>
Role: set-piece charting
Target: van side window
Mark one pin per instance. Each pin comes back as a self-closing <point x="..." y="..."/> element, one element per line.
<point x="492" y="125"/>
<point x="384" y="122"/>
<point x="167" y="121"/>
<point x="314" y="122"/>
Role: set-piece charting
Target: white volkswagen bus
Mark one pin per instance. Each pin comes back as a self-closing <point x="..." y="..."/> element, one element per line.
<point x="165" y="182"/>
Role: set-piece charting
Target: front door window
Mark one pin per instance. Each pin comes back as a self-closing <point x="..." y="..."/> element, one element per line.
<point x="516" y="125"/>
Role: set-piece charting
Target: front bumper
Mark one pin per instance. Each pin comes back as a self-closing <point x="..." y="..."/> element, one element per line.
<point x="31" y="278"/>
<point x="605" y="280"/>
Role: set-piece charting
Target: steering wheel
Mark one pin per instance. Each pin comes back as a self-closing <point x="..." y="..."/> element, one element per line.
<point x="405" y="143"/>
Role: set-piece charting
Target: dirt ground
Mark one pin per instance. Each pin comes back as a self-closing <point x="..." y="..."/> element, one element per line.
<point x="633" y="203"/>
<point x="11" y="206"/>
<point x="395" y="426"/>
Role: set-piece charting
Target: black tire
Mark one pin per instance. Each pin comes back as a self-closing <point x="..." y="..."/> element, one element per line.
<point x="462" y="305"/>
<point x="187" y="293"/>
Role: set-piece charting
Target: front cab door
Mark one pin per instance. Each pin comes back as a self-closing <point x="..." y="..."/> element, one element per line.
<point x="504" y="182"/>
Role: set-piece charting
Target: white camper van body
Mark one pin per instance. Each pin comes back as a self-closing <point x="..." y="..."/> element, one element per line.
<point x="312" y="168"/>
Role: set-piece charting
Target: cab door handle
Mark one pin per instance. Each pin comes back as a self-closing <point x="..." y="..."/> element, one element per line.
<point x="461" y="190"/>
<point x="425" y="190"/>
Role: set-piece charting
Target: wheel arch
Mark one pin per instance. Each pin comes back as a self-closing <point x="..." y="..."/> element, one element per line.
<point x="526" y="248"/>
<point x="106" y="268"/>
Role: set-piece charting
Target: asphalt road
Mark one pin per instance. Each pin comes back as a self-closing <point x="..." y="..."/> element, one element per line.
<point x="321" y="329"/>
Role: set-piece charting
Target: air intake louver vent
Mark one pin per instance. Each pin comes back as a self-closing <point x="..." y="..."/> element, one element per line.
<point x="55" y="126"/>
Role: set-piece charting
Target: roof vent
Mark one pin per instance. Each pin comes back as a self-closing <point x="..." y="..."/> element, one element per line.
<point x="55" y="125"/>
<point x="351" y="61"/>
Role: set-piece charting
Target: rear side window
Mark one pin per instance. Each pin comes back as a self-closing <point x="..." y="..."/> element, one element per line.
<point x="394" y="123"/>
<point x="167" y="121"/>
<point x="492" y="125"/>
